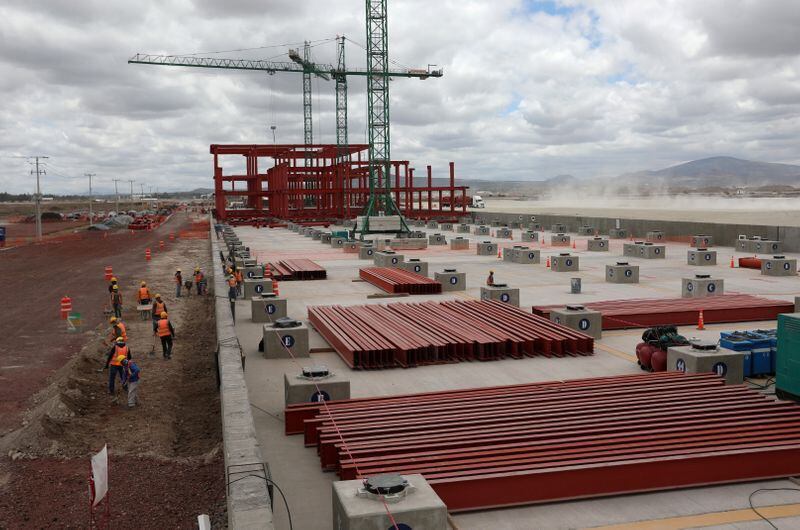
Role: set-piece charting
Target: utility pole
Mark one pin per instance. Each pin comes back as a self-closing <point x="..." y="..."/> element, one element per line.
<point x="116" y="193"/>
<point x="90" y="175"/>
<point x="38" y="197"/>
<point x="141" y="195"/>
<point x="131" y="181"/>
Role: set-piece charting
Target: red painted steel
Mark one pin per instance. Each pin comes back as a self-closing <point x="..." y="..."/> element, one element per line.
<point x="750" y="263"/>
<point x="646" y="312"/>
<point x="399" y="281"/>
<point x="329" y="187"/>
<point x="391" y="335"/>
<point x="297" y="269"/>
<point x="539" y="442"/>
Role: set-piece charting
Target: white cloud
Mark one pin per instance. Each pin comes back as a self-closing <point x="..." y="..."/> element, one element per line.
<point x="531" y="88"/>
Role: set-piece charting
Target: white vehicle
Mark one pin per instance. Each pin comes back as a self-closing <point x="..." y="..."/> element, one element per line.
<point x="477" y="202"/>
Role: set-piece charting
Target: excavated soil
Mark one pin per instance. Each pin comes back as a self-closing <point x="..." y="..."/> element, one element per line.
<point x="165" y="461"/>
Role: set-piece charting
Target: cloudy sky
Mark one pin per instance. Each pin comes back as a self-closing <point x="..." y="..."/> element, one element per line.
<point x="531" y="89"/>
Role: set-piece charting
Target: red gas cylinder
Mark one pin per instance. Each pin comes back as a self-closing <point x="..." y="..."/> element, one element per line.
<point x="750" y="263"/>
<point x="643" y="353"/>
<point x="658" y="360"/>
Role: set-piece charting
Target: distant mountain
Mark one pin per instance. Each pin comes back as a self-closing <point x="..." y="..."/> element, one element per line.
<point x="722" y="171"/>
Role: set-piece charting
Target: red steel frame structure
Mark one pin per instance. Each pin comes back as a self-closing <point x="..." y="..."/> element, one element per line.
<point x="332" y="186"/>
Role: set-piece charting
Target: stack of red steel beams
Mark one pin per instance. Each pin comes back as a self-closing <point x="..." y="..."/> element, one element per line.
<point x="297" y="269"/>
<point x="391" y="335"/>
<point x="540" y="442"/>
<point x="399" y="281"/>
<point x="646" y="312"/>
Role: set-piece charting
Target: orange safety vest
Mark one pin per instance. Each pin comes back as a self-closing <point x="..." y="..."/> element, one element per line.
<point x="160" y="307"/>
<point x="163" y="328"/>
<point x="178" y="278"/>
<point x="238" y="276"/>
<point x="123" y="331"/>
<point x="198" y="277"/>
<point x="231" y="282"/>
<point x="144" y="293"/>
<point x="117" y="352"/>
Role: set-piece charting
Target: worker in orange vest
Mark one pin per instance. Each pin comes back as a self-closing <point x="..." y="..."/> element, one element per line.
<point x="490" y="279"/>
<point x="178" y="283"/>
<point x="112" y="283"/>
<point x="143" y="295"/>
<point x="117" y="330"/>
<point x="116" y="301"/>
<point x="199" y="279"/>
<point x="239" y="279"/>
<point x="158" y="307"/>
<point x="166" y="333"/>
<point x="118" y="352"/>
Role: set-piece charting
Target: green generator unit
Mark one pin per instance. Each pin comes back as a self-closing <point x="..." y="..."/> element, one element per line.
<point x="787" y="366"/>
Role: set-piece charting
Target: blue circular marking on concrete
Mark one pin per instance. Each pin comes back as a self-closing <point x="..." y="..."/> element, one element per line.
<point x="269" y="308"/>
<point x="786" y="266"/>
<point x="417" y="268"/>
<point x="584" y="324"/>
<point x="250" y="274"/>
<point x="531" y="255"/>
<point x="369" y="252"/>
<point x="400" y="526"/>
<point x="611" y="272"/>
<point x="259" y="288"/>
<point x="720" y="369"/>
<point x="711" y="287"/>
<point x="569" y="262"/>
<point x="628" y="273"/>
<point x="769" y="265"/>
<point x="658" y="250"/>
<point x="708" y="257"/>
<point x="680" y="365"/>
<point x="394" y="261"/>
<point x="454" y="280"/>
<point x="504" y="297"/>
<point x="287" y="341"/>
<point x="320" y="395"/>
<point x="690" y="286"/>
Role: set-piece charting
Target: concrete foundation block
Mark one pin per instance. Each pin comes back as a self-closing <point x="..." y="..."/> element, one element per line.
<point x="486" y="248"/>
<point x="701" y="241"/>
<point x="652" y="251"/>
<point x="299" y="389"/>
<point x="622" y="272"/>
<point x="504" y="233"/>
<point x="726" y="363"/>
<point x="558" y="228"/>
<point x="501" y="293"/>
<point x="325" y="238"/>
<point x="564" y="263"/>
<point x="617" y="233"/>
<point x="481" y="230"/>
<point x="586" y="230"/>
<point x="446" y="226"/>
<point x="415" y="265"/>
<point x="256" y="286"/>
<point x="535" y="227"/>
<point x="779" y="266"/>
<point x="419" y="223"/>
<point x="655" y="236"/>
<point x="702" y="285"/>
<point x="459" y="243"/>
<point x="338" y="242"/>
<point x="388" y="258"/>
<point x="560" y="240"/>
<point x="580" y="319"/>
<point x="462" y="228"/>
<point x="522" y="254"/>
<point x="278" y="340"/>
<point x="351" y="247"/>
<point x="256" y="271"/>
<point x="432" y="224"/>
<point x="701" y="257"/>
<point x="451" y="280"/>
<point x="530" y="236"/>
<point x="366" y="252"/>
<point x="420" y="509"/>
<point x="597" y="244"/>
<point x="267" y="308"/>
<point x="437" y="239"/>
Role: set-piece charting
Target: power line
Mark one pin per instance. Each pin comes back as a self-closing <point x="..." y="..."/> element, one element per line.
<point x="38" y="197"/>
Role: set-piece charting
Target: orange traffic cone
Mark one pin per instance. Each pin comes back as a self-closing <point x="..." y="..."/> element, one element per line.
<point x="275" y="289"/>
<point x="700" y="323"/>
<point x="511" y="235"/>
<point x="547" y="263"/>
<point x="542" y="240"/>
<point x="499" y="253"/>
<point x="267" y="271"/>
<point x="732" y="264"/>
<point x="573" y="245"/>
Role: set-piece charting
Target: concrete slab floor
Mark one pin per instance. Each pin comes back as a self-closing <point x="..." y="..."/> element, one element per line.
<point x="296" y="468"/>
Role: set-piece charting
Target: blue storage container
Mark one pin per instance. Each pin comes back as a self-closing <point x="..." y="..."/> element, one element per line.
<point x="761" y="353"/>
<point x="736" y="342"/>
<point x="772" y="336"/>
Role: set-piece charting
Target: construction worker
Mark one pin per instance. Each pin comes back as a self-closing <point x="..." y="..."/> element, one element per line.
<point x="232" y="292"/>
<point x="117" y="330"/>
<point x="119" y="351"/>
<point x="178" y="283"/>
<point x="112" y="283"/>
<point x="490" y="279"/>
<point x="166" y="333"/>
<point x="144" y="295"/>
<point x="239" y="280"/>
<point x="132" y="376"/>
<point x="158" y="307"/>
<point x="116" y="301"/>
<point x="198" y="280"/>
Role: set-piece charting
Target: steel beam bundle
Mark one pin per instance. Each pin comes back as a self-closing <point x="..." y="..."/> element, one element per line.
<point x="399" y="281"/>
<point x="646" y="312"/>
<point x="297" y="269"/>
<point x="391" y="335"/>
<point x="322" y="182"/>
<point x="540" y="442"/>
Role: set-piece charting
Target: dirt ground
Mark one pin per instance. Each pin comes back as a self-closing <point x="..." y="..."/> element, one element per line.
<point x="166" y="466"/>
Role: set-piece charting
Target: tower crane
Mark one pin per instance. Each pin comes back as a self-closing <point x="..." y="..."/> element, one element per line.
<point x="378" y="75"/>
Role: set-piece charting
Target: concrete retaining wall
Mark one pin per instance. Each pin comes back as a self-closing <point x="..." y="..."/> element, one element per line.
<point x="724" y="234"/>
<point x="248" y="498"/>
